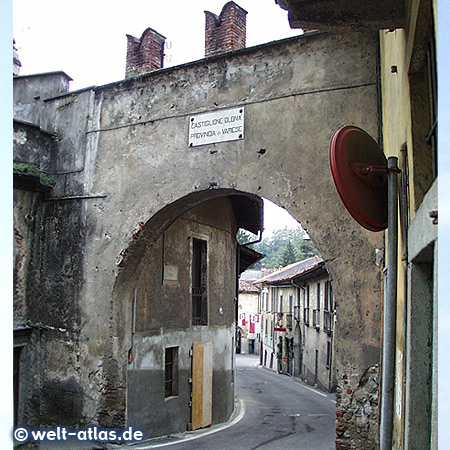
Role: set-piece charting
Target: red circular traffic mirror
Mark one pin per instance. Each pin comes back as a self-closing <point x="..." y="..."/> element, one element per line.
<point x="359" y="170"/>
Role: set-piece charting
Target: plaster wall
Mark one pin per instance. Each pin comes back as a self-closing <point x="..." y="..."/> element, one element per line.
<point x="163" y="310"/>
<point x="405" y="89"/>
<point x="315" y="340"/>
<point x="248" y="304"/>
<point x="30" y="90"/>
<point x="123" y="156"/>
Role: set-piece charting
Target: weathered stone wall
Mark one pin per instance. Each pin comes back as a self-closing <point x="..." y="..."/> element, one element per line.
<point x="123" y="156"/>
<point x="31" y="90"/>
<point x="164" y="319"/>
<point x="357" y="411"/>
<point x="45" y="303"/>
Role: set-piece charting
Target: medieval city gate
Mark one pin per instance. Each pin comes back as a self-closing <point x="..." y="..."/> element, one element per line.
<point x="137" y="174"/>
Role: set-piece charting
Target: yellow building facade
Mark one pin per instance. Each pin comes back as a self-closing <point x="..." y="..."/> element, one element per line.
<point x="409" y="132"/>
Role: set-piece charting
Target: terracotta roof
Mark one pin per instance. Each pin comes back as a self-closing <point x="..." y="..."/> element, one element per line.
<point x="292" y="271"/>
<point x="248" y="288"/>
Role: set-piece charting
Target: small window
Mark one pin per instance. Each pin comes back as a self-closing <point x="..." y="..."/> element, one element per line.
<point x="199" y="282"/>
<point x="307" y="297"/>
<point x="281" y="304"/>
<point x="328" y="354"/>
<point x="328" y="302"/>
<point x="171" y="372"/>
<point x="318" y="295"/>
<point x="330" y="295"/>
<point x="291" y="302"/>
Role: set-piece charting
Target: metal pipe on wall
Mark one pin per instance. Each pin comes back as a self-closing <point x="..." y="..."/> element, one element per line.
<point x="389" y="311"/>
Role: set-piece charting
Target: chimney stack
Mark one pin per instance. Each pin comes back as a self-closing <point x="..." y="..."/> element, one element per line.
<point x="226" y="32"/>
<point x="145" y="54"/>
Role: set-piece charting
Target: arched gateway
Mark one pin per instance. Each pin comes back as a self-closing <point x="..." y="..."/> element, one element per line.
<point x="129" y="163"/>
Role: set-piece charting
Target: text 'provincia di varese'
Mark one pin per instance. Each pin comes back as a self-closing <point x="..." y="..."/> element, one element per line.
<point x="219" y="126"/>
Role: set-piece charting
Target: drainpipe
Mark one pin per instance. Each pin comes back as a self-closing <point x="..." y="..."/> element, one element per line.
<point x="258" y="239"/>
<point x="389" y="312"/>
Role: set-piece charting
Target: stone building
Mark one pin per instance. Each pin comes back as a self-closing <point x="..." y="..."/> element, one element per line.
<point x="116" y="152"/>
<point x="298" y="320"/>
<point x="181" y="303"/>
<point x="249" y="319"/>
<point x="107" y="185"/>
<point x="177" y="304"/>
<point x="195" y="258"/>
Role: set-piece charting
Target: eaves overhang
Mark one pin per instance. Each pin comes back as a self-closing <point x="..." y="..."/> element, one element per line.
<point x="342" y="15"/>
<point x="248" y="210"/>
<point x="248" y="258"/>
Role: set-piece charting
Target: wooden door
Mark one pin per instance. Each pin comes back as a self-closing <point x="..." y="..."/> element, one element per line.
<point x="201" y="410"/>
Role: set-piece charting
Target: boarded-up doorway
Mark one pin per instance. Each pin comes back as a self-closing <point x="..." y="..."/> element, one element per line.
<point x="201" y="403"/>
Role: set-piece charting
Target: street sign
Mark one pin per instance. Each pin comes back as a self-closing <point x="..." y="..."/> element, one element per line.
<point x="218" y="126"/>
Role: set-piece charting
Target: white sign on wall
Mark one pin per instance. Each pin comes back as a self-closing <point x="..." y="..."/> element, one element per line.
<point x="218" y="126"/>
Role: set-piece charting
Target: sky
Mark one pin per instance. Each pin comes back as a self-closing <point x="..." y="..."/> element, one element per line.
<point x="276" y="217"/>
<point x="87" y="40"/>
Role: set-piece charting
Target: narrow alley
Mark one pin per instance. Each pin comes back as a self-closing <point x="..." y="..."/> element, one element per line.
<point x="274" y="411"/>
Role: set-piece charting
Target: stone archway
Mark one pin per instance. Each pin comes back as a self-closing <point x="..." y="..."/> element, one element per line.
<point x="139" y="173"/>
<point x="352" y="354"/>
<point x="155" y="286"/>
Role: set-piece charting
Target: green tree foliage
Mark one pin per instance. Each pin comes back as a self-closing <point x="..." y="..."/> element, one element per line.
<point x="244" y="236"/>
<point x="289" y="255"/>
<point x="273" y="246"/>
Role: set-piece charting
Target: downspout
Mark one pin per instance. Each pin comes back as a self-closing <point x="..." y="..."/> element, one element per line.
<point x="258" y="240"/>
<point x="389" y="312"/>
<point x="330" y="370"/>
